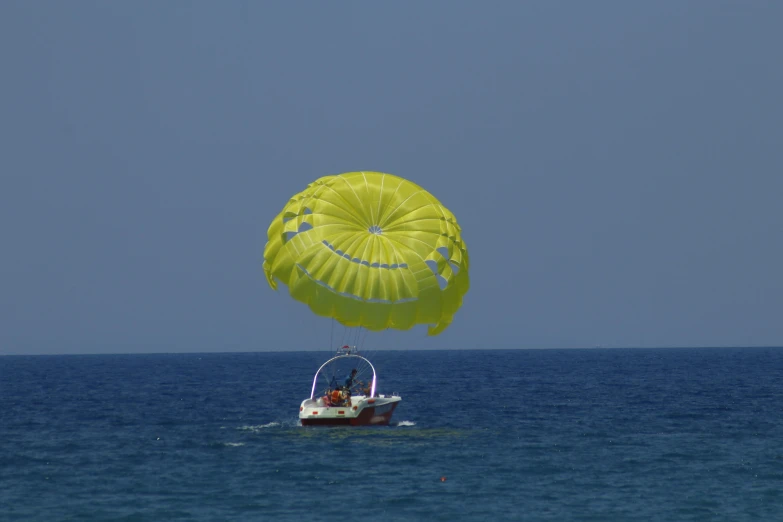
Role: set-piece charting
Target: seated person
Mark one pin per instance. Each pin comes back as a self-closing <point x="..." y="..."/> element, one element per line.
<point x="336" y="397"/>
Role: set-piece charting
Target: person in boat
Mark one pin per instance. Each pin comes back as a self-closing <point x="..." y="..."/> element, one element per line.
<point x="349" y="381"/>
<point x="336" y="396"/>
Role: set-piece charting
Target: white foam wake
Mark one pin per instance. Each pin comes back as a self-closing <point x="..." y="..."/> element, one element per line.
<point x="259" y="427"/>
<point x="406" y="423"/>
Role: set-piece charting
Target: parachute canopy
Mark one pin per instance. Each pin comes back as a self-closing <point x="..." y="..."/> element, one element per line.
<point x="370" y="249"/>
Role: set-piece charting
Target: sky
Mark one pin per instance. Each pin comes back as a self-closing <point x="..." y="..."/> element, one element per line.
<point x="616" y="167"/>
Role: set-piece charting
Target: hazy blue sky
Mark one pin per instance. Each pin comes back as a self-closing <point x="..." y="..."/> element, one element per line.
<point x="617" y="167"/>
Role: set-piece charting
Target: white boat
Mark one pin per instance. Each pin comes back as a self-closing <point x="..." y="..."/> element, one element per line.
<point x="340" y="402"/>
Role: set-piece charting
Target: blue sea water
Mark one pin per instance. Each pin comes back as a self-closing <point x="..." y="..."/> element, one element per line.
<point x="643" y="434"/>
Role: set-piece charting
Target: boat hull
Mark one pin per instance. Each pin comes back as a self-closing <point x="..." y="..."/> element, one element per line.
<point x="360" y="412"/>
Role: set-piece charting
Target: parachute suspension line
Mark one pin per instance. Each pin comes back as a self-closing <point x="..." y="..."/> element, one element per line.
<point x="345" y="333"/>
<point x="358" y="334"/>
<point x="364" y="337"/>
<point x="331" y="336"/>
<point x="352" y="341"/>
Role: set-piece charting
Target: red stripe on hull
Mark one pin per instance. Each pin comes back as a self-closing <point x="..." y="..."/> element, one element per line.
<point x="366" y="418"/>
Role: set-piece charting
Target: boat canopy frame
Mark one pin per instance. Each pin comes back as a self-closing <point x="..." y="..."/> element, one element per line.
<point x="349" y="354"/>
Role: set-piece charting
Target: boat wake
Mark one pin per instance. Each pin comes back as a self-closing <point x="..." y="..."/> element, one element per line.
<point x="406" y="423"/>
<point x="259" y="427"/>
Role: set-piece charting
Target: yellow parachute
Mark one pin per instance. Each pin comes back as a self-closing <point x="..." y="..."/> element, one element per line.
<point x="370" y="249"/>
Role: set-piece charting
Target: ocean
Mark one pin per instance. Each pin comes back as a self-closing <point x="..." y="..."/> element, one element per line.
<point x="588" y="435"/>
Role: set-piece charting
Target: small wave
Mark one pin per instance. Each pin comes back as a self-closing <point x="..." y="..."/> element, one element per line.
<point x="406" y="423"/>
<point x="233" y="444"/>
<point x="259" y="427"/>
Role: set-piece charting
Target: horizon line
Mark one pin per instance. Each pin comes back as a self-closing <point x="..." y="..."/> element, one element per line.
<point x="671" y="347"/>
